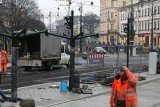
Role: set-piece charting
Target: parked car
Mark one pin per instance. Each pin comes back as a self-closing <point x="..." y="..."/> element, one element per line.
<point x="155" y="49"/>
<point x="111" y="50"/>
<point x="138" y="47"/>
<point x="99" y="50"/>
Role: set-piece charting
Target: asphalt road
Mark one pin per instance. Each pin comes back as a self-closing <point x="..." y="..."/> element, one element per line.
<point x="38" y="76"/>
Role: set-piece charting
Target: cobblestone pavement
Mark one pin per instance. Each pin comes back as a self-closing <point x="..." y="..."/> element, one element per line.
<point x="147" y="90"/>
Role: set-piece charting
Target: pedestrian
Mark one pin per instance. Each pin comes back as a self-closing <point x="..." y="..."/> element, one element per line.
<point x="124" y="89"/>
<point x="4" y="61"/>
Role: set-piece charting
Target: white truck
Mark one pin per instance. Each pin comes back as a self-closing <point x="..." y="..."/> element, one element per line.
<point x="65" y="58"/>
<point x="40" y="50"/>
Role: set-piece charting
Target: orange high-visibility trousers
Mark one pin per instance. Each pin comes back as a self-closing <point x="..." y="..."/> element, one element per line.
<point x="4" y="67"/>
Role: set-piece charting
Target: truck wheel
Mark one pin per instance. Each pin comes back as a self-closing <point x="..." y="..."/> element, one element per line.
<point x="27" y="68"/>
<point x="68" y="65"/>
<point x="49" y="66"/>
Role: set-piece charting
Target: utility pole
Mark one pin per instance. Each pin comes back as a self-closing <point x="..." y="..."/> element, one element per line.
<point x="81" y="11"/>
<point x="132" y="28"/>
<point x="69" y="9"/>
<point x="81" y="30"/>
<point x="58" y="17"/>
<point x="108" y="28"/>
<point x="128" y="39"/>
<point x="69" y="6"/>
<point x="69" y="24"/>
<point x="14" y="68"/>
<point x="73" y="83"/>
<point x="50" y="20"/>
<point x="72" y="54"/>
<point x="152" y="28"/>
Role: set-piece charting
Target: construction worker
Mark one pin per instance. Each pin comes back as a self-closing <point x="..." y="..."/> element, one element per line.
<point x="124" y="89"/>
<point x="4" y="61"/>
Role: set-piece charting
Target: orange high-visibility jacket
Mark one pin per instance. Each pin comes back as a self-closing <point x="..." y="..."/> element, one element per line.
<point x="125" y="91"/>
<point x="4" y="57"/>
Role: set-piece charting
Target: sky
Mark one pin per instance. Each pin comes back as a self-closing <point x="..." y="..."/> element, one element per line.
<point x="46" y="6"/>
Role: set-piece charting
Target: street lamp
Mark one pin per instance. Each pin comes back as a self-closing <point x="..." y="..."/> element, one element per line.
<point x="152" y="29"/>
<point x="50" y="18"/>
<point x="81" y="30"/>
<point x="58" y="15"/>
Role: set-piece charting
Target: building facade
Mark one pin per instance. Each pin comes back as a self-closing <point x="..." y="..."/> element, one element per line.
<point x="142" y="22"/>
<point x="109" y="21"/>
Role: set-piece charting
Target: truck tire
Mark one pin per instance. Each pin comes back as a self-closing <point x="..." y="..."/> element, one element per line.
<point x="68" y="65"/>
<point x="27" y="68"/>
<point x="48" y="65"/>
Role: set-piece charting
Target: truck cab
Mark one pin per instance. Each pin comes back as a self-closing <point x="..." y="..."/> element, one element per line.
<point x="65" y="57"/>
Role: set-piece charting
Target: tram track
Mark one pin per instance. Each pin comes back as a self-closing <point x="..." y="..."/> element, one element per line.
<point x="39" y="76"/>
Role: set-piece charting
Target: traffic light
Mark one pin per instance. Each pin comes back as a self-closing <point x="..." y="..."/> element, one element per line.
<point x="69" y="22"/>
<point x="97" y="36"/>
<point x="126" y="28"/>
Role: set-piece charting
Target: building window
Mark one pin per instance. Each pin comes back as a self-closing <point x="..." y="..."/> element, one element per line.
<point x="135" y="14"/>
<point x="142" y="27"/>
<point x="145" y="12"/>
<point x="135" y="26"/>
<point x="139" y="28"/>
<point x="154" y="25"/>
<point x="124" y="3"/>
<point x="155" y="10"/>
<point x="145" y="27"/>
<point x="112" y="15"/>
<point x="142" y="12"/>
<point x="148" y="11"/>
<point x="128" y="15"/>
<point x="158" y="25"/>
<point x="139" y="13"/>
<point x="111" y="26"/>
<point x="121" y="27"/>
<point x="123" y="16"/>
<point x="148" y="25"/>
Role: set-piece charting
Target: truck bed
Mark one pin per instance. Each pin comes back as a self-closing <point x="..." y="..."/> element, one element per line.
<point x="40" y="46"/>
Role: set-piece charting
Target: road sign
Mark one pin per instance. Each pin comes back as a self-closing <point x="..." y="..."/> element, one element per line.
<point x="96" y="59"/>
<point x="131" y="41"/>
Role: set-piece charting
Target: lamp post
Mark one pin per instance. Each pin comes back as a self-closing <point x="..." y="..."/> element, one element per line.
<point x="152" y="29"/>
<point x="108" y="27"/>
<point x="81" y="30"/>
<point x="50" y="18"/>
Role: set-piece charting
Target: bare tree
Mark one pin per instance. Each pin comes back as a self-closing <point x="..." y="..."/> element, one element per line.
<point x="90" y="22"/>
<point x="36" y="24"/>
<point x="18" y="14"/>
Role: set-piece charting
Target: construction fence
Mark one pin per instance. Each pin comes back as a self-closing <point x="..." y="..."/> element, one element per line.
<point x="116" y="57"/>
